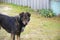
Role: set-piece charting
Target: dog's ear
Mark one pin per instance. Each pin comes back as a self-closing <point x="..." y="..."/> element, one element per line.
<point x="21" y="14"/>
<point x="28" y="14"/>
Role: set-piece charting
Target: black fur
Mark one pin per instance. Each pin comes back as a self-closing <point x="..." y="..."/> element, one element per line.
<point x="14" y="24"/>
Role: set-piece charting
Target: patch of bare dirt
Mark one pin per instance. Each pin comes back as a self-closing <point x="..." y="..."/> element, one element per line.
<point x="4" y="9"/>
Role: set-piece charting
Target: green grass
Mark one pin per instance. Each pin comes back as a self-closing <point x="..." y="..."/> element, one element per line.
<point x="39" y="28"/>
<point x="17" y="8"/>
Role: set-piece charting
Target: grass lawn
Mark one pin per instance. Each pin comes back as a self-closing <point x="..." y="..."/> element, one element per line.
<point x="39" y="28"/>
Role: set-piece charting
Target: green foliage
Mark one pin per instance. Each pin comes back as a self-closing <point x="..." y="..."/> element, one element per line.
<point x="18" y="8"/>
<point x="21" y="8"/>
<point x="47" y="13"/>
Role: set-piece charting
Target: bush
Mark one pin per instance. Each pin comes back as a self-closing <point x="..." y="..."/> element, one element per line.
<point x="47" y="13"/>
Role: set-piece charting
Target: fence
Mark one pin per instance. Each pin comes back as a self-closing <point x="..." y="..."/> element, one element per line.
<point x="34" y="4"/>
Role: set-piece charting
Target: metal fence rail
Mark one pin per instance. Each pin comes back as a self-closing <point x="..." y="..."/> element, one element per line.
<point x="34" y="4"/>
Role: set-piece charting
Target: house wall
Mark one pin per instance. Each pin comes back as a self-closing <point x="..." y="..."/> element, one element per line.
<point x="34" y="4"/>
<point x="55" y="6"/>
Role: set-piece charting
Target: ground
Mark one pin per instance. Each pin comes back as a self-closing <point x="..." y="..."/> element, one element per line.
<point x="39" y="28"/>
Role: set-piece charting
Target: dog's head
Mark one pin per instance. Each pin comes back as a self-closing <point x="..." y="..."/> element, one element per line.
<point x="25" y="17"/>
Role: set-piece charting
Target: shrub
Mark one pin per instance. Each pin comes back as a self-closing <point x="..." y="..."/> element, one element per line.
<point x="47" y="13"/>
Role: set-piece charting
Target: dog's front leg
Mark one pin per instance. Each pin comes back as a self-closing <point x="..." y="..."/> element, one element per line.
<point x="12" y="36"/>
<point x="18" y="37"/>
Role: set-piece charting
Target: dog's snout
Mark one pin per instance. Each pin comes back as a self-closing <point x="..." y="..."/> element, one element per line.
<point x="25" y="22"/>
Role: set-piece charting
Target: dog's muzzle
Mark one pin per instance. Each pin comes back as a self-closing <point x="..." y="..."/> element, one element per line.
<point x="25" y="22"/>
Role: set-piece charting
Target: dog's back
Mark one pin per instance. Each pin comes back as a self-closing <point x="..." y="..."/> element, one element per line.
<point x="6" y="22"/>
<point x="2" y="16"/>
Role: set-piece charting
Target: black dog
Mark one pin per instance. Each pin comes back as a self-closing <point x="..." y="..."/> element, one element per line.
<point x="15" y="25"/>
